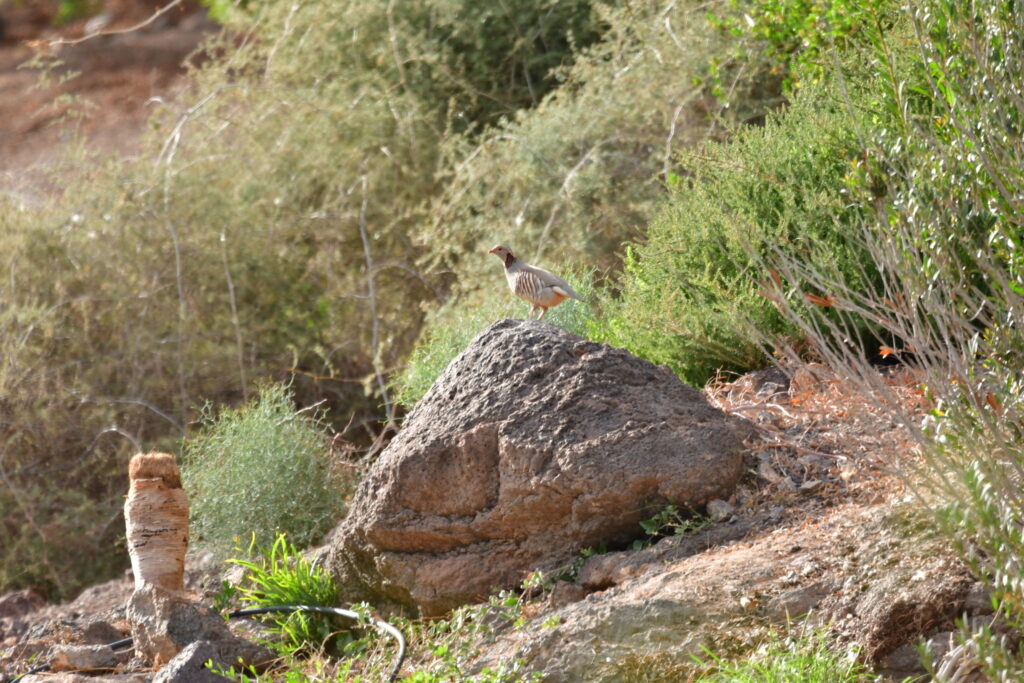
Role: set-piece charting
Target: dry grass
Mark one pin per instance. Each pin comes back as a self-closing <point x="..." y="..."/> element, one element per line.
<point x="816" y="436"/>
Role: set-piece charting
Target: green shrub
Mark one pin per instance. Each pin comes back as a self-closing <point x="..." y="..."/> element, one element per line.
<point x="943" y="182"/>
<point x="582" y="171"/>
<point x="800" y="35"/>
<point x="691" y="294"/>
<point x="259" y="471"/>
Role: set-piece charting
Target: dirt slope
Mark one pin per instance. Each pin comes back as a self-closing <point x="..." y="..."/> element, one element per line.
<point x="120" y="78"/>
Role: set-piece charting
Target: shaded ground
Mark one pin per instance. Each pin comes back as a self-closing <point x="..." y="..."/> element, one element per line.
<point x="118" y="78"/>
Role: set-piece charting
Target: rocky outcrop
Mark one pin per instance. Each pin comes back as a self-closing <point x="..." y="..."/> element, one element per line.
<point x="533" y="444"/>
<point x="856" y="571"/>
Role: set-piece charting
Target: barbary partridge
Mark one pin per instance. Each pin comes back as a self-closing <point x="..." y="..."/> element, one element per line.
<point x="533" y="284"/>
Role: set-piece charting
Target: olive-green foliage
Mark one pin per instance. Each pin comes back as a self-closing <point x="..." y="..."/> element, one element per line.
<point x="260" y="471"/>
<point x="583" y="171"/>
<point x="574" y="177"/>
<point x="690" y="293"/>
<point x="451" y="328"/>
<point x="943" y="179"/>
<point x="268" y="227"/>
<point x="800" y="35"/>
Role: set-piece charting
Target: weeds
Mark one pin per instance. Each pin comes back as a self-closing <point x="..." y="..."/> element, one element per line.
<point x="313" y="649"/>
<point x="786" y="658"/>
<point x="262" y="470"/>
<point x="671" y="521"/>
<point x="281" y="575"/>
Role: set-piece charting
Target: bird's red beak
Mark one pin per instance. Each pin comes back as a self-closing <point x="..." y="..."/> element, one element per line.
<point x="493" y="251"/>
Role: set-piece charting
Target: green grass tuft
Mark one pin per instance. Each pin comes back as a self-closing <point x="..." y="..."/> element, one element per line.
<point x="788" y="659"/>
<point x="281" y="575"/>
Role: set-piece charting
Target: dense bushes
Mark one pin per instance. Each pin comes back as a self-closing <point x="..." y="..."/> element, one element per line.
<point x="270" y="227"/>
<point x="691" y="297"/>
<point x="566" y="183"/>
<point x="945" y="182"/>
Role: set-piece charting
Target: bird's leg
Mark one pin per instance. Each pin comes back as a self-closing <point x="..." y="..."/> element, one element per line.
<point x="543" y="312"/>
<point x="534" y="307"/>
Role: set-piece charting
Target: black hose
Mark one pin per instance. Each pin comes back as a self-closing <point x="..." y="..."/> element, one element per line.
<point x="377" y="624"/>
<point x="252" y="611"/>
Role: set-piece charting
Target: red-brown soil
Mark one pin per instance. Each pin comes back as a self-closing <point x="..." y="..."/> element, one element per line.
<point x="118" y="79"/>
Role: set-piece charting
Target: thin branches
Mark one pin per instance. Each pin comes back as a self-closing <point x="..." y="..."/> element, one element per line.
<point x="120" y="31"/>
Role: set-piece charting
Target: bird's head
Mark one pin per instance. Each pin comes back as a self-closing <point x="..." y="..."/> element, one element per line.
<point x="504" y="253"/>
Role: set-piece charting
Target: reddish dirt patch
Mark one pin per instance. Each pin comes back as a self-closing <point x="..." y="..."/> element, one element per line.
<point x="118" y="77"/>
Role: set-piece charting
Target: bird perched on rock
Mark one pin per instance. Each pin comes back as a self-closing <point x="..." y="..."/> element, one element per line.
<point x="533" y="284"/>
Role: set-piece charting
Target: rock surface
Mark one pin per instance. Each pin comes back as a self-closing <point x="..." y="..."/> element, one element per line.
<point x="83" y="657"/>
<point x="532" y="445"/>
<point x="20" y="603"/>
<point x="674" y="599"/>
<point x="164" y="623"/>
<point x="189" y="665"/>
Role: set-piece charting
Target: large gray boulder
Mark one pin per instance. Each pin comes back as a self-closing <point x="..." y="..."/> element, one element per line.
<point x="532" y="445"/>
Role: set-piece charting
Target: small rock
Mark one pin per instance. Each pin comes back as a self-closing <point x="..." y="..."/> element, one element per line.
<point x="601" y="572"/>
<point x="768" y="473"/>
<point x="797" y="601"/>
<point x="903" y="661"/>
<point x="564" y="593"/>
<point x="101" y="632"/>
<point x="164" y="623"/>
<point x="82" y="658"/>
<point x="720" y="510"/>
<point x="189" y="665"/>
<point x="978" y="600"/>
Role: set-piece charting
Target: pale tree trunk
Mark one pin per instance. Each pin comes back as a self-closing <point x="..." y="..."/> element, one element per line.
<point x="156" y="520"/>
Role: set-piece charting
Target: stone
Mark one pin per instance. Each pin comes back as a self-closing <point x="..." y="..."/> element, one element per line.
<point x="901" y="608"/>
<point x="189" y="665"/>
<point x="604" y="571"/>
<point x="798" y="601"/>
<point x="978" y="600"/>
<point x="532" y="445"/>
<point x="565" y="592"/>
<point x="164" y="623"/>
<point x="100" y="632"/>
<point x="720" y="510"/>
<point x="668" y="611"/>
<point x="82" y="658"/>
